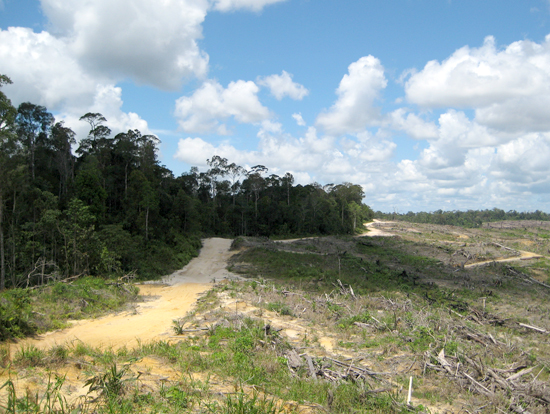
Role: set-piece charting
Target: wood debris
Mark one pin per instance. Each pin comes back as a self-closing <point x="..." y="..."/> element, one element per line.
<point x="472" y="374"/>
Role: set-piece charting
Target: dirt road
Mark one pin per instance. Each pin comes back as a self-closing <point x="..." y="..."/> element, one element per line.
<point x="151" y="320"/>
<point x="523" y="256"/>
<point x="375" y="232"/>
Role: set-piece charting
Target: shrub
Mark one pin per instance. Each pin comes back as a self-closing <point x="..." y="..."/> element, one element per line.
<point x="280" y="308"/>
<point x="15" y="312"/>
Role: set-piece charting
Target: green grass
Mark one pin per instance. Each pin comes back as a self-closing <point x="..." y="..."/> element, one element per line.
<point x="280" y="308"/>
<point x="25" y="312"/>
<point x="243" y="403"/>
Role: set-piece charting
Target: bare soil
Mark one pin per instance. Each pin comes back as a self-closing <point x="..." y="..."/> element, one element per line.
<point x="148" y="321"/>
<point x="164" y="301"/>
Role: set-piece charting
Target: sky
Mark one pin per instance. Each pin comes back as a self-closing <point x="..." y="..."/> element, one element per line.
<point x="427" y="104"/>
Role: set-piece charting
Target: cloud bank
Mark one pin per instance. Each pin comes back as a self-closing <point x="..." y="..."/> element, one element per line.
<point x="92" y="45"/>
<point x="476" y="125"/>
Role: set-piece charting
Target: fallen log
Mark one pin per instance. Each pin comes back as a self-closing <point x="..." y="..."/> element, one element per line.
<point x="520" y="374"/>
<point x="534" y="328"/>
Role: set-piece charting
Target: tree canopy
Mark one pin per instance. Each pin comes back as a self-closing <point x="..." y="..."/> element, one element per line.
<point x="111" y="207"/>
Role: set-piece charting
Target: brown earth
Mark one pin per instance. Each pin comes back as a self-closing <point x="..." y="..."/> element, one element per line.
<point x="151" y="320"/>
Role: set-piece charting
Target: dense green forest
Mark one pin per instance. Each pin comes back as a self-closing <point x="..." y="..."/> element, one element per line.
<point x="111" y="208"/>
<point x="470" y="218"/>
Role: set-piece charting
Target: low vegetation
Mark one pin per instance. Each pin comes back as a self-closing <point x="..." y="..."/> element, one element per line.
<point x="25" y="312"/>
<point x="336" y="324"/>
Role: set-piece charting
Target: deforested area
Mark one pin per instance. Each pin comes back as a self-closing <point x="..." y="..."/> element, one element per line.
<point x="405" y="323"/>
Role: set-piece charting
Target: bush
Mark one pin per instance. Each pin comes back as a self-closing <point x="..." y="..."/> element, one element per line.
<point x="15" y="312"/>
<point x="280" y="308"/>
<point x="24" y="312"/>
<point x="158" y="258"/>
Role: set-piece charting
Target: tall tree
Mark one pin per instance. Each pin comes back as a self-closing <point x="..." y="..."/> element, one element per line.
<point x="32" y="121"/>
<point x="98" y="131"/>
<point x="256" y="183"/>
<point x="62" y="140"/>
<point x="97" y="144"/>
<point x="7" y="147"/>
<point x="218" y="168"/>
<point x="126" y="153"/>
<point x="288" y="180"/>
<point x="147" y="155"/>
<point x="345" y="194"/>
<point x="235" y="172"/>
<point x="143" y="199"/>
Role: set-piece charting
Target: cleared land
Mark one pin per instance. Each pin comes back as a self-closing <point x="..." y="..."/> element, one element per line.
<point x="334" y="324"/>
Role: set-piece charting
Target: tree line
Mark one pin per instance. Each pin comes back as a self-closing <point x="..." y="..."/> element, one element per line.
<point x="469" y="218"/>
<point x="111" y="207"/>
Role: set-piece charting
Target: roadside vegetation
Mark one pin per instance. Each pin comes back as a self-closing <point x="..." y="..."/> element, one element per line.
<point x="26" y="312"/>
<point x="334" y="324"/>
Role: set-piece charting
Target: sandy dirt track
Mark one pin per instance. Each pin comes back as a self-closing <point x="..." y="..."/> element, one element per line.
<point x="523" y="256"/>
<point x="170" y="299"/>
<point x="374" y="232"/>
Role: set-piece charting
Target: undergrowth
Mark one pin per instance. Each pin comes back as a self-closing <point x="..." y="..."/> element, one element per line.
<point x="25" y="312"/>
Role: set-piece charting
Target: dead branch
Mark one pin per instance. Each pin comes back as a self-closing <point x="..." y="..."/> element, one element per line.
<point x="480" y="386"/>
<point x="490" y="380"/>
<point x="520" y="374"/>
<point x="505" y="248"/>
<point x="70" y="279"/>
<point x="527" y="277"/>
<point x="356" y="368"/>
<point x="534" y="328"/>
<point x="311" y="368"/>
<point x="444" y="363"/>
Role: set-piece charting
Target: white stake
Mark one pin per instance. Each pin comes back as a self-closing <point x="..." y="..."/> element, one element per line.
<point x="410" y="391"/>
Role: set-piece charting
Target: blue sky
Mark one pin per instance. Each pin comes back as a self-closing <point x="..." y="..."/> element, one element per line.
<point x="428" y="104"/>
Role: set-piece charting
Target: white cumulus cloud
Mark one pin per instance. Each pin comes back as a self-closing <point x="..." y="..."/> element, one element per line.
<point x="524" y="160"/>
<point x="282" y="85"/>
<point x="254" y="5"/>
<point x="202" y="111"/>
<point x="107" y="101"/>
<point x="354" y="110"/>
<point x="508" y="88"/>
<point x="299" y="119"/>
<point x="416" y="127"/>
<point x="148" y="41"/>
<point x="42" y="71"/>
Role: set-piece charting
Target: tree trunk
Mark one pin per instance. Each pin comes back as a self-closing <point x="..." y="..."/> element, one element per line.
<point x="42" y="271"/>
<point x="74" y="247"/>
<point x="125" y="180"/>
<point x="32" y="158"/>
<point x="13" y="259"/>
<point x="288" y="194"/>
<point x="147" y="224"/>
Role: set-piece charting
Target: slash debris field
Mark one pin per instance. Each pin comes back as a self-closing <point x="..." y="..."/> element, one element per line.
<point x="433" y="319"/>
